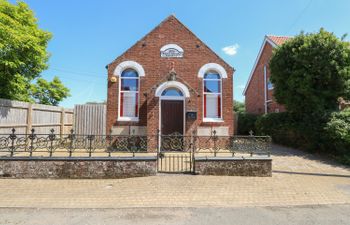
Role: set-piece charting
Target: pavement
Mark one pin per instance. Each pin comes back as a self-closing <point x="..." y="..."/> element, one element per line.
<point x="298" y="179"/>
<point x="300" y="182"/>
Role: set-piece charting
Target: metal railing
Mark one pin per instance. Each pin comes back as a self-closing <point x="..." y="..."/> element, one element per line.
<point x="224" y="145"/>
<point x="72" y="145"/>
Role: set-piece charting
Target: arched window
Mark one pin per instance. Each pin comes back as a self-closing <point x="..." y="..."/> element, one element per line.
<point x="129" y="95"/>
<point x="212" y="96"/>
<point x="172" y="92"/>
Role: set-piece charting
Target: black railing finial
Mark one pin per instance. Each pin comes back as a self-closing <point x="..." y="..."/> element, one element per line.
<point x="251" y="133"/>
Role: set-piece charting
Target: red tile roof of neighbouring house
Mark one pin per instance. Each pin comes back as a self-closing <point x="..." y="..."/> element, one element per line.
<point x="275" y="41"/>
<point x="278" y="40"/>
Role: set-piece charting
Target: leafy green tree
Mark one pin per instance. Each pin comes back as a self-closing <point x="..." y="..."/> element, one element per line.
<point x="310" y="72"/>
<point x="238" y="107"/>
<point x="23" y="53"/>
<point x="49" y="92"/>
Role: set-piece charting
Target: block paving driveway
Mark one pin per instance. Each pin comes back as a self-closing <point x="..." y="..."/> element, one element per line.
<point x="298" y="179"/>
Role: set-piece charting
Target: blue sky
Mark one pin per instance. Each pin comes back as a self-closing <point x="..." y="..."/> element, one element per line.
<point x="87" y="35"/>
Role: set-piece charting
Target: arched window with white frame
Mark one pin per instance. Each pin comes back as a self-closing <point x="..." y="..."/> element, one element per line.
<point x="212" y="96"/>
<point x="129" y="95"/>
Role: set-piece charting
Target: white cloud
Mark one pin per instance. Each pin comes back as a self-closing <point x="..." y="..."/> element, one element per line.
<point x="242" y="86"/>
<point x="231" y="49"/>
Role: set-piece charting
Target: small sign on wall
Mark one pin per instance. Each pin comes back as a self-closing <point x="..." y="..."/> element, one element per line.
<point x="171" y="51"/>
<point x="191" y="115"/>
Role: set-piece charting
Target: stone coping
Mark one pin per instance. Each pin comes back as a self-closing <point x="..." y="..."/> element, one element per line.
<point x="136" y="158"/>
<point x="211" y="158"/>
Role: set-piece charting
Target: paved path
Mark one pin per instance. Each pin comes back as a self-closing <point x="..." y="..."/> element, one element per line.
<point x="306" y="215"/>
<point x="298" y="179"/>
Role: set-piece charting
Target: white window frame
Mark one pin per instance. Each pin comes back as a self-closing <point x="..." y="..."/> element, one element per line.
<point x="208" y="119"/>
<point x="129" y="118"/>
<point x="269" y="81"/>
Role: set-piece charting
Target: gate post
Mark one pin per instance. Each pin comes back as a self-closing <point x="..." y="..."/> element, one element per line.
<point x="158" y="148"/>
<point x="158" y="141"/>
<point x="193" y="142"/>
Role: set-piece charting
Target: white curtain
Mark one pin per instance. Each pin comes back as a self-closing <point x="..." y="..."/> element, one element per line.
<point x="129" y="104"/>
<point x="212" y="106"/>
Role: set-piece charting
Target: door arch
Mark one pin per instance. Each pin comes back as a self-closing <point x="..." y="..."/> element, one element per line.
<point x="172" y="84"/>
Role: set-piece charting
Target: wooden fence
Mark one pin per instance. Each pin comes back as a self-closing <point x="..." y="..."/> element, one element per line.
<point x="90" y="119"/>
<point x="24" y="116"/>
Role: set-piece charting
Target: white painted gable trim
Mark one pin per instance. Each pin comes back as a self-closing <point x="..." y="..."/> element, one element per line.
<point x="266" y="39"/>
<point x="129" y="65"/>
<point x="212" y="66"/>
<point x="174" y="84"/>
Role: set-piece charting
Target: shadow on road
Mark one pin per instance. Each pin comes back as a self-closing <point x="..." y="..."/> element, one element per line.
<point x="311" y="174"/>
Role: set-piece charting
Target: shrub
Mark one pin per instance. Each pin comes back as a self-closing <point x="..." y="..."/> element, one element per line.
<point x="282" y="127"/>
<point x="338" y="135"/>
<point x="329" y="133"/>
<point x="310" y="72"/>
<point x="238" y="107"/>
<point x="246" y="123"/>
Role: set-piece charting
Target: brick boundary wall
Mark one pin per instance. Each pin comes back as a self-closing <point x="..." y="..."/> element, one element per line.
<point x="252" y="166"/>
<point x="78" y="168"/>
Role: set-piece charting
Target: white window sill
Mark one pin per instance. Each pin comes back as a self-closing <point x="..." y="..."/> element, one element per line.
<point x="132" y="119"/>
<point x="213" y="120"/>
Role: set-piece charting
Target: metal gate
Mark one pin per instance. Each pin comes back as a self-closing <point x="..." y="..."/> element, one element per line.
<point x="175" y="154"/>
<point x="179" y="162"/>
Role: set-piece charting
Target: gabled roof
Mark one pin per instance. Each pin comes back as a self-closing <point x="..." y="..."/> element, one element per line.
<point x="274" y="41"/>
<point x="173" y="17"/>
<point x="278" y="40"/>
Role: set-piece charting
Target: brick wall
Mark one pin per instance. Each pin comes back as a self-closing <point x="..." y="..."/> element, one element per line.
<point x="78" y="168"/>
<point x="255" y="94"/>
<point x="256" y="167"/>
<point x="146" y="52"/>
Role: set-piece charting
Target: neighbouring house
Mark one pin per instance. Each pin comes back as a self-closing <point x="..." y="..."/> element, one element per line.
<point x="172" y="82"/>
<point x="259" y="90"/>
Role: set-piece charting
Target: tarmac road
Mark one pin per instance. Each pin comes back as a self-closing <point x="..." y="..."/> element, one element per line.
<point x="306" y="215"/>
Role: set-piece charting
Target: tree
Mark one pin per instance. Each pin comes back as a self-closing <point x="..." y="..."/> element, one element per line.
<point x="23" y="54"/>
<point x="238" y="107"/>
<point x="310" y="72"/>
<point x="49" y="93"/>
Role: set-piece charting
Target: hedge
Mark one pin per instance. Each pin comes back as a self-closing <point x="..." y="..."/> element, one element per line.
<point x="246" y="123"/>
<point x="329" y="133"/>
<point x="283" y="128"/>
<point x="338" y="135"/>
